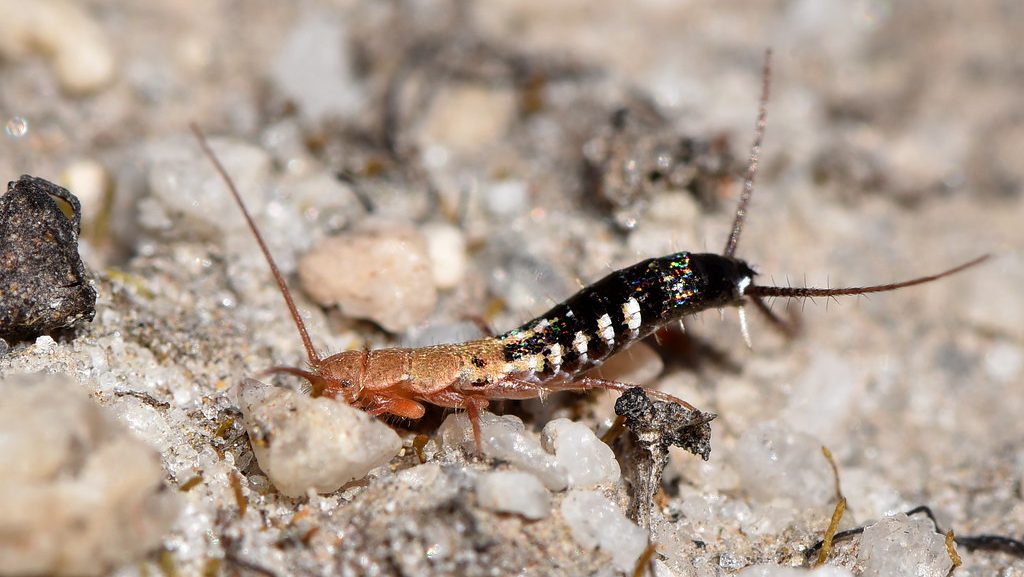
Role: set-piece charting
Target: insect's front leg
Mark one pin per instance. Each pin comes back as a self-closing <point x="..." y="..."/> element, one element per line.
<point x="380" y="404"/>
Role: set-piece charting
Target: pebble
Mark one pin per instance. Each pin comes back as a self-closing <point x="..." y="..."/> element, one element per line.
<point x="506" y="198"/>
<point x="902" y="545"/>
<point x="80" y="495"/>
<point x="185" y="189"/>
<point x="596" y="522"/>
<point x="505" y="438"/>
<point x="513" y="492"/>
<point x="776" y="462"/>
<point x="381" y="272"/>
<point x="772" y="570"/>
<point x="824" y="397"/>
<point x="1003" y="362"/>
<point x="446" y="246"/>
<point x="464" y="118"/>
<point x="65" y="32"/>
<point x="304" y="443"/>
<point x="44" y="285"/>
<point x="313" y="68"/>
<point x="91" y="182"/>
<point x="588" y="462"/>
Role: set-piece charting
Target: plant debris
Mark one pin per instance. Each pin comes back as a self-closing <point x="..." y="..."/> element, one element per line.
<point x="655" y="426"/>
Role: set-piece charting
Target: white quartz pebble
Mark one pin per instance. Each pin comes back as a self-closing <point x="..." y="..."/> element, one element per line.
<point x="314" y="67"/>
<point x="902" y="545"/>
<point x="596" y="522"/>
<point x="185" y="188"/>
<point x="775" y="462"/>
<point x="79" y="494"/>
<point x="772" y="570"/>
<point x="586" y="460"/>
<point x="78" y="48"/>
<point x="506" y="439"/>
<point x="513" y="492"/>
<point x="89" y="181"/>
<point x="446" y="246"/>
<point x="305" y="443"/>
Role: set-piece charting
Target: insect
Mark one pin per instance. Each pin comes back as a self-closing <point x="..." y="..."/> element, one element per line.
<point x="554" y="351"/>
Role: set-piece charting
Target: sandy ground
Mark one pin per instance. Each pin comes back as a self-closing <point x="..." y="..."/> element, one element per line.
<point x="894" y="148"/>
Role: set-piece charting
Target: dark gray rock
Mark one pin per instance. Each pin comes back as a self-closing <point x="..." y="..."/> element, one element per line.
<point x="43" y="283"/>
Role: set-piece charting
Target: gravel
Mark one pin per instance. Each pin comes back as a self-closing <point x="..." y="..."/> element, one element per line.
<point x="888" y="154"/>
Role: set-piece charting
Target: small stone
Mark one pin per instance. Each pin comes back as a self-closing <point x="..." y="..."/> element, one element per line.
<point x="596" y="522"/>
<point x="66" y="33"/>
<point x="91" y="182"/>
<point x="381" y="272"/>
<point x="45" y="344"/>
<point x="513" y="492"/>
<point x="80" y="495"/>
<point x="465" y="118"/>
<point x="43" y="283"/>
<point x="506" y="439"/>
<point x="305" y="443"/>
<point x="586" y="459"/>
<point x="446" y="246"/>
<point x="185" y="189"/>
<point x="506" y="198"/>
<point x="902" y="545"/>
<point x="313" y="68"/>
<point x="772" y="570"/>
<point x="824" y="397"/>
<point x="1003" y="362"/>
<point x="775" y="462"/>
<point x="421" y="476"/>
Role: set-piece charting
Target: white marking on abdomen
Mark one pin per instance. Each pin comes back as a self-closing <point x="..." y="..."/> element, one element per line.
<point x="580" y="344"/>
<point x="605" y="330"/>
<point x="555" y="357"/>
<point x="535" y="362"/>
<point x="631" y="315"/>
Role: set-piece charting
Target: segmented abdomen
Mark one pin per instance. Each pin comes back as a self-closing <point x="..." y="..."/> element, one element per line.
<point x="601" y="319"/>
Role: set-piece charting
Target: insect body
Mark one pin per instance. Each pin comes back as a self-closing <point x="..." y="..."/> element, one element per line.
<point x="553" y="351"/>
<point x="547" y="354"/>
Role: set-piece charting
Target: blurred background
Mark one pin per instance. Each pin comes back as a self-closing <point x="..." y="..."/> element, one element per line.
<point x="554" y="141"/>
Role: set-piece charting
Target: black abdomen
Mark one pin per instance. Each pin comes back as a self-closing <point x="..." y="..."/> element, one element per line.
<point x="627" y="305"/>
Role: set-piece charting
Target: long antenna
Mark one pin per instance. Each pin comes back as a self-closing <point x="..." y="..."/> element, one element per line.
<point x="808" y="292"/>
<point x="314" y="358"/>
<point x="755" y="157"/>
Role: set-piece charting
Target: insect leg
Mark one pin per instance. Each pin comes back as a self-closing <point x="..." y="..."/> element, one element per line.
<point x="473" y="404"/>
<point x="789" y="328"/>
<point x="397" y="406"/>
<point x="473" y="407"/>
